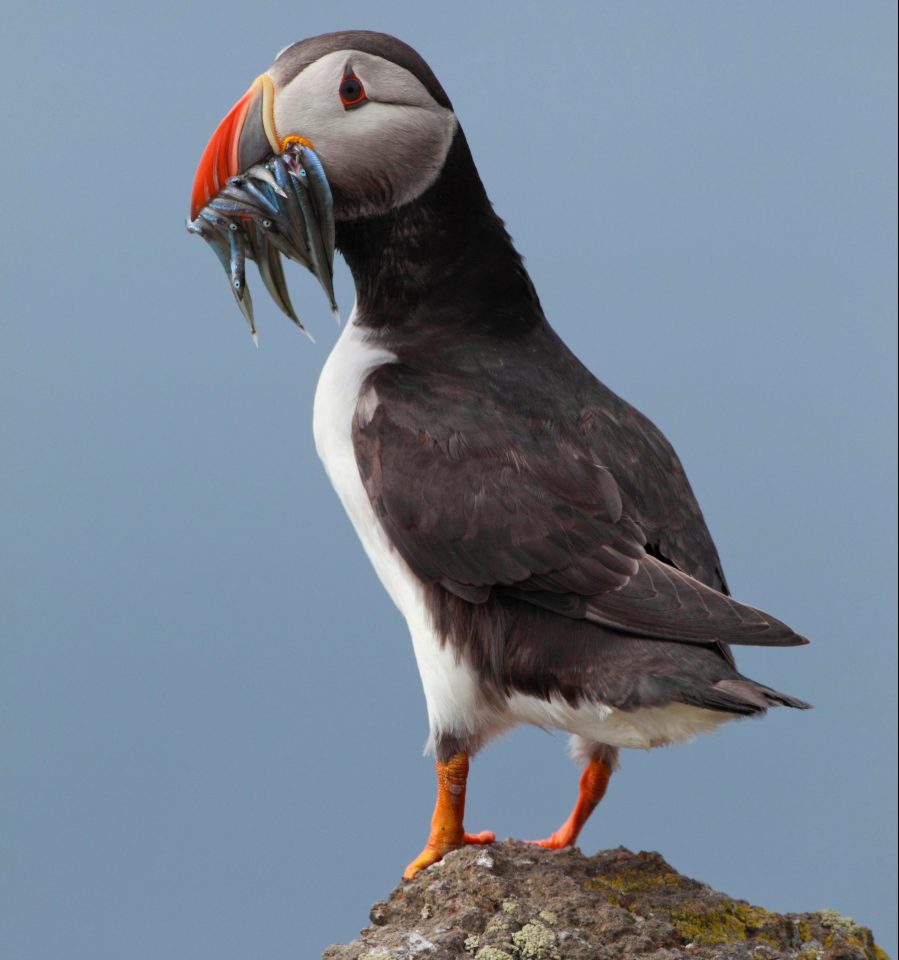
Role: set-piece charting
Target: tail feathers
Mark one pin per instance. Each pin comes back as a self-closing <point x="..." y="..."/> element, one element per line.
<point x="742" y="696"/>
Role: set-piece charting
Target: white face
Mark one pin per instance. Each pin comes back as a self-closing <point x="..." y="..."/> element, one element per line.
<point x="380" y="154"/>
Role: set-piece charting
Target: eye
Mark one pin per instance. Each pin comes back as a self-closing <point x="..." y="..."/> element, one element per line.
<point x="352" y="93"/>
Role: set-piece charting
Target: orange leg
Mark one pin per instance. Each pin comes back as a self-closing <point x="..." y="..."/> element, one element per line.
<point x="594" y="781"/>
<point x="447" y="832"/>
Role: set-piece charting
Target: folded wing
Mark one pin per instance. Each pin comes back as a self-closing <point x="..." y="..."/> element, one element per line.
<point x="486" y="500"/>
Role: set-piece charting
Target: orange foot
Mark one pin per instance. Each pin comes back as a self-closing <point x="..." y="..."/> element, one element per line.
<point x="594" y="781"/>
<point x="435" y="851"/>
<point x="561" y="838"/>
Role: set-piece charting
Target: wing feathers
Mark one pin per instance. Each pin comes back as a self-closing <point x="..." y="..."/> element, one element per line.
<point x="530" y="512"/>
<point x="666" y="604"/>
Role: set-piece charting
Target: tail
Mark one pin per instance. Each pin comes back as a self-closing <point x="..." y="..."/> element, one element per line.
<point x="741" y="696"/>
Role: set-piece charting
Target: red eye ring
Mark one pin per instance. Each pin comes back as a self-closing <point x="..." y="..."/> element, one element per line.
<point x="352" y="93"/>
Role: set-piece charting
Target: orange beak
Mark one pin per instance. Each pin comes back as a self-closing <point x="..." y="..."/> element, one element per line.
<point x="246" y="136"/>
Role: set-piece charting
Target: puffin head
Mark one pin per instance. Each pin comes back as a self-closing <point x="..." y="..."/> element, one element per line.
<point x="367" y="105"/>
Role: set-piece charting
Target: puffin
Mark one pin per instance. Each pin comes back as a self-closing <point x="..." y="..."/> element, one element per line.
<point x="538" y="533"/>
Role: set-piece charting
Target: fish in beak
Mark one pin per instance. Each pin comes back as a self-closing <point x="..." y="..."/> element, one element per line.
<point x="257" y="197"/>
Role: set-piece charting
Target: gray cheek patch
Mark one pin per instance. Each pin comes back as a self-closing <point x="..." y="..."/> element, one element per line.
<point x="379" y="155"/>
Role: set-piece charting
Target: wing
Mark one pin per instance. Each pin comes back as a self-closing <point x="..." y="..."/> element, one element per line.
<point x="654" y="486"/>
<point x="478" y="494"/>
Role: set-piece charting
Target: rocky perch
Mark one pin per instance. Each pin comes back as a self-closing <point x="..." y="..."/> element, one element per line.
<point x="512" y="901"/>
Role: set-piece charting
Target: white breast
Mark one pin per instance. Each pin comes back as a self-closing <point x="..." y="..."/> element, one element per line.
<point x="451" y="689"/>
<point x="351" y="361"/>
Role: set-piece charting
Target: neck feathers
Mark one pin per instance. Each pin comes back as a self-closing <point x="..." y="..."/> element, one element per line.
<point x="441" y="262"/>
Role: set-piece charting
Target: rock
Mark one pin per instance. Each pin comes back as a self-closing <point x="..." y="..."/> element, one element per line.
<point x="513" y="901"/>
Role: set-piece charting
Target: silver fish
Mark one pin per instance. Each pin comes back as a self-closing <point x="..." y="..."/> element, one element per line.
<point x="237" y="250"/>
<point x="299" y="225"/>
<point x="268" y="262"/>
<point x="283" y="206"/>
<point x="308" y="177"/>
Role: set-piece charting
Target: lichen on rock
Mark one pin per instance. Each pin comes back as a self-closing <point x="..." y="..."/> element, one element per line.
<point x="535" y="942"/>
<point x="534" y="904"/>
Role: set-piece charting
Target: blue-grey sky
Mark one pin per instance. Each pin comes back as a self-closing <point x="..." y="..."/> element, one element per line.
<point x="212" y="722"/>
